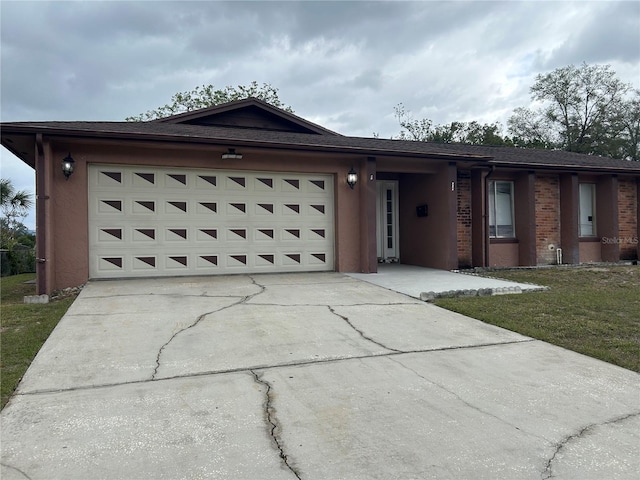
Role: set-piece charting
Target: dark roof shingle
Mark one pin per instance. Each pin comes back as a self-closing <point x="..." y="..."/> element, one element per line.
<point x="503" y="156"/>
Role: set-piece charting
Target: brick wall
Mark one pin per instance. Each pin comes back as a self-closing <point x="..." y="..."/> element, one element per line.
<point x="547" y="190"/>
<point x="464" y="219"/>
<point x="627" y="218"/>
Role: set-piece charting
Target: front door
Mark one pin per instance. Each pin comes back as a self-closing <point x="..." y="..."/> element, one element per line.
<point x="387" y="221"/>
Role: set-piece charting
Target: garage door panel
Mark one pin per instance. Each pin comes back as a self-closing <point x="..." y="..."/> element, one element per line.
<point x="141" y="206"/>
<point x="108" y="178"/>
<point x="207" y="234"/>
<point x="144" y="179"/>
<point x="111" y="235"/>
<point x="141" y="263"/>
<point x="206" y="207"/>
<point x="110" y="264"/>
<point x="159" y="221"/>
<point x="207" y="182"/>
<point x="176" y="181"/>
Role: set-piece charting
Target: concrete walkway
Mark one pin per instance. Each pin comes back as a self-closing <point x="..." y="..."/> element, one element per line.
<point x="307" y="376"/>
<point x="428" y="283"/>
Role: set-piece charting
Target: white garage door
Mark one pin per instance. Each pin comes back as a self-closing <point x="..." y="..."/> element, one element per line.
<point x="150" y="221"/>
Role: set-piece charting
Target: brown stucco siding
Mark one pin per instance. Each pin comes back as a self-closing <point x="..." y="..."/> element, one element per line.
<point x="503" y="254"/>
<point x="69" y="229"/>
<point x="464" y="219"/>
<point x="429" y="241"/>
<point x="628" y="214"/>
<point x="590" y="252"/>
<point x="547" y="193"/>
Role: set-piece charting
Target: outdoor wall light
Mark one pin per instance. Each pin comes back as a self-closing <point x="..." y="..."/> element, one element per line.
<point x="352" y="178"/>
<point x="231" y="155"/>
<point x="68" y="165"/>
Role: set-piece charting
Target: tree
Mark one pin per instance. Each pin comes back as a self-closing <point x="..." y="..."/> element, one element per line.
<point x="15" y="206"/>
<point x="208" y="96"/>
<point x="630" y="119"/>
<point x="424" y="130"/>
<point x="584" y="110"/>
<point x="530" y="130"/>
<point x="418" y="130"/>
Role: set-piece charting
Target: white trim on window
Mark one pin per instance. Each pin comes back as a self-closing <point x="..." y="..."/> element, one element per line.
<point x="501" y="209"/>
<point x="587" y="210"/>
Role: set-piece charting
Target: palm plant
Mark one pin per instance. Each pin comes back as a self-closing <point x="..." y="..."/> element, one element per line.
<point x="15" y="206"/>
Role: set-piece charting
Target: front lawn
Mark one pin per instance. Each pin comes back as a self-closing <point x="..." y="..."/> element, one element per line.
<point x="594" y="310"/>
<point x="24" y="328"/>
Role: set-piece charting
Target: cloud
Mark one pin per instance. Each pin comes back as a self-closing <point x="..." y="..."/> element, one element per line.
<point x="341" y="64"/>
<point x="606" y="33"/>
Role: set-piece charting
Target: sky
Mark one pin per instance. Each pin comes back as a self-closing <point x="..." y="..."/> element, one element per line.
<point x="343" y="65"/>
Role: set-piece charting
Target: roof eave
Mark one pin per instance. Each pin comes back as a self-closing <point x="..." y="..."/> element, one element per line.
<point x="566" y="167"/>
<point x="31" y="129"/>
<point x="63" y="132"/>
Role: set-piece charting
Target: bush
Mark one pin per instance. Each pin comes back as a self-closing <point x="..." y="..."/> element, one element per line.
<point x="18" y="260"/>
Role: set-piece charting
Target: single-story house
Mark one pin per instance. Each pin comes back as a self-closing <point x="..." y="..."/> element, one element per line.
<point x="245" y="187"/>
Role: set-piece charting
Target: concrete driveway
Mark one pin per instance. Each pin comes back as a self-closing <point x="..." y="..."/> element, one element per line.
<point x="309" y="376"/>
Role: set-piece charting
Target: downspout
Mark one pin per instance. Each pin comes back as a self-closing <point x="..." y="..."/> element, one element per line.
<point x="487" y="236"/>
<point x="41" y="231"/>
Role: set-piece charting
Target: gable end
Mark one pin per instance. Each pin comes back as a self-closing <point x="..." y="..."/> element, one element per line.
<point x="250" y="117"/>
<point x="249" y="113"/>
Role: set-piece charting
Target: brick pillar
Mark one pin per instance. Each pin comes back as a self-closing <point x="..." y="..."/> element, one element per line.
<point x="525" y="217"/>
<point x="452" y="220"/>
<point x="569" y="208"/>
<point x="607" y="227"/>
<point x="478" y="220"/>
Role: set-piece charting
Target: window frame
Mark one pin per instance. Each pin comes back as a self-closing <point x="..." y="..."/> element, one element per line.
<point x="493" y="210"/>
<point x="593" y="222"/>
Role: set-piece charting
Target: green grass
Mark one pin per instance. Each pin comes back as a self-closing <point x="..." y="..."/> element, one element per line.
<point x="24" y="328"/>
<point x="592" y="310"/>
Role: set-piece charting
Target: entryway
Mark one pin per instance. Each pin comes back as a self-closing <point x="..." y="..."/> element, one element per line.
<point x="387" y="221"/>
<point x="415" y="281"/>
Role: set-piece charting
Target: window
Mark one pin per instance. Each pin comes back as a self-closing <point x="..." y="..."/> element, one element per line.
<point x="587" y="209"/>
<point x="501" y="209"/>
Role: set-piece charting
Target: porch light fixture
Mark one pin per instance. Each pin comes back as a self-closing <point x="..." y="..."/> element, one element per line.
<point x="231" y="155"/>
<point x="68" y="165"/>
<point x="352" y="178"/>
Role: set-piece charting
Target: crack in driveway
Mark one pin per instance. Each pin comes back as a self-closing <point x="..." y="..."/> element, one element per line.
<point x="154" y="294"/>
<point x="17" y="470"/>
<point x="298" y="363"/>
<point x="275" y="428"/>
<point x="346" y="319"/>
<point x="547" y="473"/>
<point x="474" y="407"/>
<point x="242" y="300"/>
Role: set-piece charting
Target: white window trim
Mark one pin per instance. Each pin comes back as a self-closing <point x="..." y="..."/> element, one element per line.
<point x="594" y="230"/>
<point x="494" y="214"/>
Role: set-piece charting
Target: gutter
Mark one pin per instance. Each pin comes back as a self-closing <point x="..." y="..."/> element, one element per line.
<point x="41" y="231"/>
<point x="570" y="167"/>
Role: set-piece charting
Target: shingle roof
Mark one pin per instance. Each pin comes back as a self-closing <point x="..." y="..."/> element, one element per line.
<point x="513" y="156"/>
<point x="234" y="137"/>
